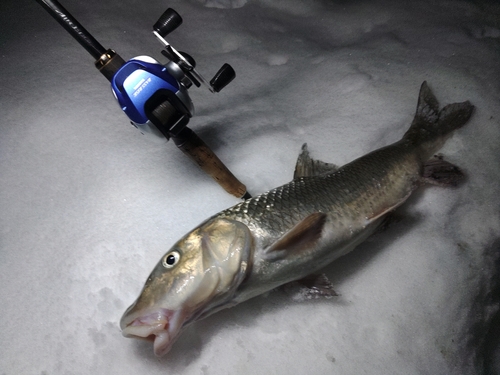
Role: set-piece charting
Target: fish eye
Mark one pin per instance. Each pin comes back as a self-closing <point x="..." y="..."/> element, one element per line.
<point x="171" y="259"/>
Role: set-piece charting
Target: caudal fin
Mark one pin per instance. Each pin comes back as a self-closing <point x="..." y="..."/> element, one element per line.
<point x="430" y="125"/>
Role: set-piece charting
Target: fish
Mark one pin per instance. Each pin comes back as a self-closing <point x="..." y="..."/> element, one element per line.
<point x="290" y="233"/>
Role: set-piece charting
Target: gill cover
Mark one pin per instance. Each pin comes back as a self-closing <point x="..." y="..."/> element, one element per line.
<point x="200" y="271"/>
<point x="226" y="246"/>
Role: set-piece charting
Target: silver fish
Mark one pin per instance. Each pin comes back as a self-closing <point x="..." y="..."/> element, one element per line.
<point x="291" y="231"/>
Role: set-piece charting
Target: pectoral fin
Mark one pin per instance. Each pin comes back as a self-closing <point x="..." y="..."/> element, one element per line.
<point x="301" y="238"/>
<point x="307" y="167"/>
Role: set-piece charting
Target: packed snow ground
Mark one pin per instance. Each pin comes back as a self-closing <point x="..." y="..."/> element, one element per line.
<point x="88" y="205"/>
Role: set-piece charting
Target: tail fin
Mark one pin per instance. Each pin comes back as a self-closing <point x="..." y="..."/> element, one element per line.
<point x="432" y="125"/>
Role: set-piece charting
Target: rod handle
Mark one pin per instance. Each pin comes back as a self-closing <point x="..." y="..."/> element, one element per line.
<point x="201" y="154"/>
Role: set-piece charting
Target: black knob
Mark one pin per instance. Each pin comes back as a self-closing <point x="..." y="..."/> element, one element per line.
<point x="168" y="22"/>
<point x="188" y="58"/>
<point x="221" y="79"/>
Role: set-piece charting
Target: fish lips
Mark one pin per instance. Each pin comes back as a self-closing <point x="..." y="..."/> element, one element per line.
<point x="162" y="326"/>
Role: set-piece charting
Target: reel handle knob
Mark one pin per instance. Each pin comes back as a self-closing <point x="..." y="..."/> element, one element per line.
<point x="168" y="22"/>
<point x="223" y="77"/>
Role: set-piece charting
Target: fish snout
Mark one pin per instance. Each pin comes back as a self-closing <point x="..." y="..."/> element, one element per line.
<point x="162" y="327"/>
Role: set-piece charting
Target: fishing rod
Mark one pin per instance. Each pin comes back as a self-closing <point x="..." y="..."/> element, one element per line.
<point x="155" y="96"/>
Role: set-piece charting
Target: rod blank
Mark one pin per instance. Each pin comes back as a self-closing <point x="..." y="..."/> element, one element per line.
<point x="72" y="26"/>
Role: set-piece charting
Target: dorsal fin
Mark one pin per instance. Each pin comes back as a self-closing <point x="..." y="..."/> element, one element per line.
<point x="307" y="167"/>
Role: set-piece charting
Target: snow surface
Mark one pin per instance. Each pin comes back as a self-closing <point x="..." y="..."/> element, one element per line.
<point x="88" y="205"/>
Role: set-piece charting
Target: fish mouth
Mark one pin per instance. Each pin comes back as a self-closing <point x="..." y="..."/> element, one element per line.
<point x="163" y="327"/>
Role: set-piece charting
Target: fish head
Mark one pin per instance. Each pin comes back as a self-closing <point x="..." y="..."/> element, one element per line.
<point x="197" y="276"/>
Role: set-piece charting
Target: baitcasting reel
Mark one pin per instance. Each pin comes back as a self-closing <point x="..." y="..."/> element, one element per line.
<point x="155" y="96"/>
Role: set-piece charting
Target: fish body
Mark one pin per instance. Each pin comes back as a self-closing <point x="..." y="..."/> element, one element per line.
<point x="291" y="231"/>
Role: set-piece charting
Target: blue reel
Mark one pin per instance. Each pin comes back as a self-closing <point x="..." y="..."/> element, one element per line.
<point x="141" y="85"/>
<point x="155" y="96"/>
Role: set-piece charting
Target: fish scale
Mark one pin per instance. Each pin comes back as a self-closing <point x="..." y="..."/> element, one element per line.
<point x="342" y="193"/>
<point x="292" y="231"/>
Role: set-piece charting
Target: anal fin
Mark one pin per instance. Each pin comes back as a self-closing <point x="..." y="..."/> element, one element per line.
<point x="439" y="172"/>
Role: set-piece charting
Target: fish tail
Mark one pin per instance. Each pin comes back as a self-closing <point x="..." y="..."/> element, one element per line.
<point x="431" y="126"/>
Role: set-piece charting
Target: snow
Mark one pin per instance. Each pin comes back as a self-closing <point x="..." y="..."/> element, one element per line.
<point x="88" y="205"/>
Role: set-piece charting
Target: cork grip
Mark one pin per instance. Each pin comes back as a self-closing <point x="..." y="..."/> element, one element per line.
<point x="201" y="154"/>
